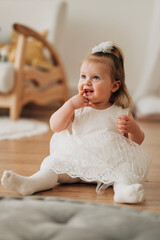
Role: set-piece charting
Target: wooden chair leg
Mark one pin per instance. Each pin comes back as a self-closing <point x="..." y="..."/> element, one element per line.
<point x="66" y="96"/>
<point x="15" y="110"/>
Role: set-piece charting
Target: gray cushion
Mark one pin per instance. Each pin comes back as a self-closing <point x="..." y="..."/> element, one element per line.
<point x="61" y="219"/>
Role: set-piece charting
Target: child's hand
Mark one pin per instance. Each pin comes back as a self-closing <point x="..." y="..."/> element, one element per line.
<point x="79" y="100"/>
<point x="127" y="124"/>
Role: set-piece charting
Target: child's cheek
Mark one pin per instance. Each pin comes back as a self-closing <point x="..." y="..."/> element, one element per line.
<point x="80" y="86"/>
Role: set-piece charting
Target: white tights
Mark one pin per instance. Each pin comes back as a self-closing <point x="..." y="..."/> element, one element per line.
<point x="128" y="193"/>
<point x="40" y="181"/>
<point x="47" y="179"/>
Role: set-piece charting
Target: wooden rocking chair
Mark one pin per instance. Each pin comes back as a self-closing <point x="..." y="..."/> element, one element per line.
<point x="32" y="84"/>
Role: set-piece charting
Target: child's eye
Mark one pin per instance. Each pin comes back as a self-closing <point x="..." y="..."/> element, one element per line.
<point x="96" y="77"/>
<point x="83" y="76"/>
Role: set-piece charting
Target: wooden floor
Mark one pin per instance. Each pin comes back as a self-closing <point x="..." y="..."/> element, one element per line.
<point x="24" y="156"/>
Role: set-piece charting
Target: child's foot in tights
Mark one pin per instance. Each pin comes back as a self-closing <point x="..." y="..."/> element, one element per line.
<point x="40" y="181"/>
<point x="124" y="193"/>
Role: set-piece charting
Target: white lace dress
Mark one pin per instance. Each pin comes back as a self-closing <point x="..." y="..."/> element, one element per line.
<point x="96" y="150"/>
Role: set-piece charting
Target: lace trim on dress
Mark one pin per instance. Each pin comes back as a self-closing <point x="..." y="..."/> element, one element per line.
<point x="109" y="158"/>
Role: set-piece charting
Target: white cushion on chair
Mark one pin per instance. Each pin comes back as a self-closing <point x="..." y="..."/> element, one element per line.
<point x="6" y="77"/>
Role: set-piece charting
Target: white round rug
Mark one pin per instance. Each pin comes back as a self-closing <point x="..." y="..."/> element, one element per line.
<point x="21" y="128"/>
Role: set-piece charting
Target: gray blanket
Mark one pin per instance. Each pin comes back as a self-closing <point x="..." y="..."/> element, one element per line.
<point x="48" y="218"/>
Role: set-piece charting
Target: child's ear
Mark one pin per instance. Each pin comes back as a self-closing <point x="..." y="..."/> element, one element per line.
<point x="116" y="86"/>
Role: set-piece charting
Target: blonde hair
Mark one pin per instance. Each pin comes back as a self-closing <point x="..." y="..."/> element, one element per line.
<point x="115" y="60"/>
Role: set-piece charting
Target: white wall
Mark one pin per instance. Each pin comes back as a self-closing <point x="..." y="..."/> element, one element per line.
<point x="125" y="22"/>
